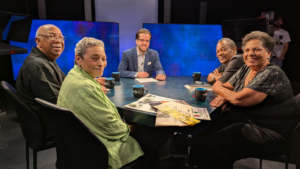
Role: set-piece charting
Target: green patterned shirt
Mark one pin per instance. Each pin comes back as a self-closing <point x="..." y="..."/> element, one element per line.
<point x="81" y="94"/>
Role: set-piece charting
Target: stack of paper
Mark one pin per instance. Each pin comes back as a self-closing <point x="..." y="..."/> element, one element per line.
<point x="182" y="113"/>
<point x="170" y="112"/>
<point x="194" y="86"/>
<point x="144" y="80"/>
<point x="143" y="103"/>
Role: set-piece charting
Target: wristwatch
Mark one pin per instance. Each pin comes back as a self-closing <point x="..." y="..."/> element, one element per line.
<point x="213" y="78"/>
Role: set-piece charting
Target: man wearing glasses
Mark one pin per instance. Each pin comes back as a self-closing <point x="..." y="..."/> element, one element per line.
<point x="40" y="76"/>
<point x="140" y="61"/>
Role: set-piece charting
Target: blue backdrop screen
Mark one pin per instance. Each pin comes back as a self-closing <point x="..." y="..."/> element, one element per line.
<point x="74" y="31"/>
<point x="184" y="49"/>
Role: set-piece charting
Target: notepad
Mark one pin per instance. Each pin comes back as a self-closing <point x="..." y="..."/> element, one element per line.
<point x="144" y="80"/>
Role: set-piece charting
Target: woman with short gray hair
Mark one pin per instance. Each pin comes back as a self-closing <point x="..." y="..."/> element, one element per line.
<point x="81" y="94"/>
<point x="85" y="43"/>
<point x="80" y="50"/>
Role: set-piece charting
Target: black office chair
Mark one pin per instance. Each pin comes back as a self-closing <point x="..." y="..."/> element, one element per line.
<point x="77" y="147"/>
<point x="30" y="124"/>
<point x="293" y="156"/>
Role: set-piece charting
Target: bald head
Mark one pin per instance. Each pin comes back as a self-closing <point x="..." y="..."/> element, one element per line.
<point x="50" y="41"/>
<point x="43" y="29"/>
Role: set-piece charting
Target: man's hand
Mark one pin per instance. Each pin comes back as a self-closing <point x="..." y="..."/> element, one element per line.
<point x="216" y="72"/>
<point x="160" y="77"/>
<point x="214" y="76"/>
<point x="218" y="101"/>
<point x="142" y="74"/>
<point x="101" y="80"/>
<point x="104" y="89"/>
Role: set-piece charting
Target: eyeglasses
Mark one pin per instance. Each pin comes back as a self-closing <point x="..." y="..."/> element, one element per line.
<point x="51" y="37"/>
<point x="142" y="40"/>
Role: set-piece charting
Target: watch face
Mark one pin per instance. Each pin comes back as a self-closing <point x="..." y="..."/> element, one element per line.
<point x="213" y="78"/>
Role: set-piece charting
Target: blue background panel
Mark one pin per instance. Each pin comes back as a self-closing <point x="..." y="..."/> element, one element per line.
<point x="184" y="49"/>
<point x="74" y="31"/>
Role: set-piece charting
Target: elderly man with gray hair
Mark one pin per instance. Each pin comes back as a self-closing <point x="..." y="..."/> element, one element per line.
<point x="230" y="62"/>
<point x="81" y="94"/>
<point x="40" y="76"/>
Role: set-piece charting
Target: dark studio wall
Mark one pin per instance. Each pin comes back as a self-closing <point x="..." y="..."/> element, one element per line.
<point x="55" y="9"/>
<point x="219" y="10"/>
<point x="186" y="11"/>
<point x="20" y="6"/>
<point x="65" y="9"/>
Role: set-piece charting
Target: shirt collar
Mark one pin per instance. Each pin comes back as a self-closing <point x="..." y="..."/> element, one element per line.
<point x="36" y="50"/>
<point x="138" y="53"/>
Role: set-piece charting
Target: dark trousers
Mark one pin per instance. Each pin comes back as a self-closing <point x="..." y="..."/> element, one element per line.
<point x="226" y="141"/>
<point x="150" y="139"/>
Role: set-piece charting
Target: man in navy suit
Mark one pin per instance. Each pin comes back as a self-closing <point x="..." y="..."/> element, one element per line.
<point x="140" y="61"/>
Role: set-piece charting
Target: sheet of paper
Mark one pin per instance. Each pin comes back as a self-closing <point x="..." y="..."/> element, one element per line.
<point x="193" y="86"/>
<point x="143" y="103"/>
<point x="201" y="83"/>
<point x="164" y="119"/>
<point x="144" y="80"/>
<point x="200" y="113"/>
<point x="181" y="108"/>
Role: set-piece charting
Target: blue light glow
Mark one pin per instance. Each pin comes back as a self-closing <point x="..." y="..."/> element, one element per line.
<point x="184" y="49"/>
<point x="74" y="31"/>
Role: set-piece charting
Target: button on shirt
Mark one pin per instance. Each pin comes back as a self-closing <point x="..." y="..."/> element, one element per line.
<point x="141" y="62"/>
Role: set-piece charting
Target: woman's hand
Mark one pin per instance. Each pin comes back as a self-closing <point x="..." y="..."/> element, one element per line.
<point x="217" y="85"/>
<point x="104" y="89"/>
<point x="218" y="101"/>
<point x="131" y="128"/>
<point x="101" y="80"/>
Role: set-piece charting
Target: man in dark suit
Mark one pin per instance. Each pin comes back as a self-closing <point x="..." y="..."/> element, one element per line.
<point x="230" y="62"/>
<point x="140" y="61"/>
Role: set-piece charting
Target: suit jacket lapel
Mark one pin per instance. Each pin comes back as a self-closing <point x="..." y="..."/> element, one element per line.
<point x="135" y="58"/>
<point x="147" y="59"/>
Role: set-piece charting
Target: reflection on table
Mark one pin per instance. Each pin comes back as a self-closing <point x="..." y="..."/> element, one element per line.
<point x="173" y="87"/>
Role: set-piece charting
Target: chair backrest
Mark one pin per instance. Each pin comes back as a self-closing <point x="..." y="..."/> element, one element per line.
<point x="77" y="146"/>
<point x="30" y="124"/>
<point x="294" y="154"/>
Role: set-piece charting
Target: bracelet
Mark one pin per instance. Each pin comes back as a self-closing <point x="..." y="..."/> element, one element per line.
<point x="213" y="78"/>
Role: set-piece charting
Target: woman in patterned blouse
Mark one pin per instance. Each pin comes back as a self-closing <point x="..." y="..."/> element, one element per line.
<point x="257" y="111"/>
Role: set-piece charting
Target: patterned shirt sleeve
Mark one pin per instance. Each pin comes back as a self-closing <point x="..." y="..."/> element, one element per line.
<point x="269" y="81"/>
